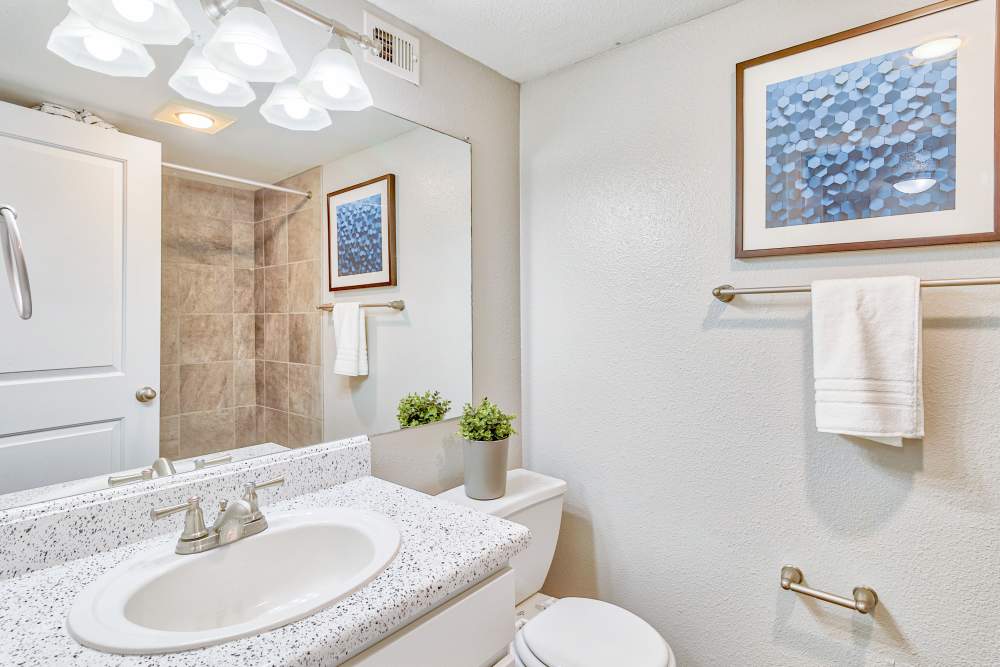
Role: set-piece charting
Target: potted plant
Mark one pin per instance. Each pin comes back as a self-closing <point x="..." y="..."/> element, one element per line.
<point x="486" y="430"/>
<point x="417" y="410"/>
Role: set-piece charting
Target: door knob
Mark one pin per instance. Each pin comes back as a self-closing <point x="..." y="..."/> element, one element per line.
<point x="145" y="395"/>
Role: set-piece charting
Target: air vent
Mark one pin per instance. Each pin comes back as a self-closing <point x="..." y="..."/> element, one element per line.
<point x="399" y="52"/>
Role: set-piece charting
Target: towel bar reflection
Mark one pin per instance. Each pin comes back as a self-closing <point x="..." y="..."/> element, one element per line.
<point x="864" y="601"/>
<point x="395" y="305"/>
<point x="727" y="293"/>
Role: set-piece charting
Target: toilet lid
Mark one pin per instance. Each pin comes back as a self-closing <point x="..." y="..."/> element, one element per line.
<point x="579" y="632"/>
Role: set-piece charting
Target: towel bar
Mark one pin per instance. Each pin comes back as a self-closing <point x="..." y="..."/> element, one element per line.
<point x="395" y="305"/>
<point x="727" y="293"/>
<point x="865" y="600"/>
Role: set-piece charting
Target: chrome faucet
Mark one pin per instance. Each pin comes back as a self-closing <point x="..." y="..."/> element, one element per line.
<point x="163" y="467"/>
<point x="236" y="520"/>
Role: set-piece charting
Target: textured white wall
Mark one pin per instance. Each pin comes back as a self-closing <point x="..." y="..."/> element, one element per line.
<point x="428" y="346"/>
<point x="685" y="427"/>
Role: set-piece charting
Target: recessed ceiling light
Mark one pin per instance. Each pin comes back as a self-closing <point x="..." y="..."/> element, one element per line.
<point x="937" y="48"/>
<point x="193" y="118"/>
<point x="196" y="120"/>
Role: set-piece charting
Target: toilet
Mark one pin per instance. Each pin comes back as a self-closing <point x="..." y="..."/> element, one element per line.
<point x="577" y="632"/>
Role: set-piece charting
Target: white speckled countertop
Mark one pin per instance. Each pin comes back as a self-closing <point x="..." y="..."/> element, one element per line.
<point x="444" y="550"/>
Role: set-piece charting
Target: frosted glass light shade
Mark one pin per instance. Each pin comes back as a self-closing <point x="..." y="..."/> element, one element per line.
<point x="144" y="21"/>
<point x="287" y="107"/>
<point x="246" y="45"/>
<point x="335" y="82"/>
<point x="79" y="43"/>
<point x="198" y="79"/>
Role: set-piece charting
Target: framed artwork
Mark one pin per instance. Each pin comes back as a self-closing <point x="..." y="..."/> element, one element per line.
<point x="361" y="224"/>
<point x="882" y="136"/>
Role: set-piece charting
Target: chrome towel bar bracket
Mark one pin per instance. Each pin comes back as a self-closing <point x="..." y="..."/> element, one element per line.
<point x="864" y="601"/>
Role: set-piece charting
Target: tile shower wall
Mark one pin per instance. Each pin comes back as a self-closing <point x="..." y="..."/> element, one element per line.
<point x="207" y="387"/>
<point x="286" y="283"/>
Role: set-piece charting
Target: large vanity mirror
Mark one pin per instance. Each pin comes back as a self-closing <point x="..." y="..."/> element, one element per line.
<point x="188" y="284"/>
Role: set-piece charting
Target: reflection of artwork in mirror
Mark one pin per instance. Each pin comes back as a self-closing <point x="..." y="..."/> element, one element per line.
<point x="362" y="233"/>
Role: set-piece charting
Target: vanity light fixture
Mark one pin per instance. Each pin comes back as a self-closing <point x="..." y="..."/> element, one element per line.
<point x="287" y="107"/>
<point x="80" y="43"/>
<point x="199" y="80"/>
<point x="247" y="45"/>
<point x="936" y="48"/>
<point x="144" y="21"/>
<point x="335" y="82"/>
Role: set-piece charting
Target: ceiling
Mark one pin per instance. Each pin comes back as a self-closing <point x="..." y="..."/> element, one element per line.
<point x="250" y="148"/>
<point x="526" y="39"/>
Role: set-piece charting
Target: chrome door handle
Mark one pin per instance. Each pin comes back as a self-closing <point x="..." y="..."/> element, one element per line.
<point x="145" y="395"/>
<point x="17" y="268"/>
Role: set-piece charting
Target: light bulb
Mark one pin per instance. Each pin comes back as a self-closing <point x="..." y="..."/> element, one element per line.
<point x="914" y="186"/>
<point x="937" y="48"/>
<point x="137" y="11"/>
<point x="336" y="88"/>
<point x="195" y="120"/>
<point x="212" y="83"/>
<point x="253" y="55"/>
<point x="297" y="109"/>
<point x="103" y="47"/>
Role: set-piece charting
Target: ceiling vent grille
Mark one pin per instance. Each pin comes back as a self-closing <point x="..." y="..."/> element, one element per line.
<point x="399" y="51"/>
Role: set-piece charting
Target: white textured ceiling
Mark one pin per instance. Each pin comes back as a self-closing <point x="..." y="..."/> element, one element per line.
<point x="526" y="39"/>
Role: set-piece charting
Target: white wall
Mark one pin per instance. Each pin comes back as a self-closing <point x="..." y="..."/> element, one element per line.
<point x="465" y="98"/>
<point x="685" y="426"/>
<point x="428" y="346"/>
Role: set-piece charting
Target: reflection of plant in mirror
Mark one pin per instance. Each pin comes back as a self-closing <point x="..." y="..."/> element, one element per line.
<point x="415" y="410"/>
<point x="485" y="423"/>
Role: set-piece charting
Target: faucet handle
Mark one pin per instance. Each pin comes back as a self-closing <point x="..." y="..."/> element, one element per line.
<point x="250" y="493"/>
<point x="194" y="519"/>
<point x="143" y="475"/>
<point x="200" y="464"/>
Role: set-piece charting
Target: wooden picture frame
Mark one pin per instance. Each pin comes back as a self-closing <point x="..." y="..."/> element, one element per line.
<point x="366" y="211"/>
<point x="754" y="208"/>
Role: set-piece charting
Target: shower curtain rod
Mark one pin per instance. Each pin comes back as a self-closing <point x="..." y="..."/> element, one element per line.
<point x="237" y="179"/>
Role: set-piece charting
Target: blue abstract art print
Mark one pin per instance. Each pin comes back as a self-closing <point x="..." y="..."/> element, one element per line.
<point x="871" y="138"/>
<point x="359" y="236"/>
<point x="361" y="220"/>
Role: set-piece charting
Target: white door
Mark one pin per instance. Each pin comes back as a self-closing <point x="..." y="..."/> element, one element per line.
<point x="87" y="203"/>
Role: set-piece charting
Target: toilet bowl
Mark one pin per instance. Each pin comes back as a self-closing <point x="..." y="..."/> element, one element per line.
<point x="572" y="631"/>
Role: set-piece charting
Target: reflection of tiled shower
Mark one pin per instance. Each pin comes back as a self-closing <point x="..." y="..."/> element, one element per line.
<point x="239" y="345"/>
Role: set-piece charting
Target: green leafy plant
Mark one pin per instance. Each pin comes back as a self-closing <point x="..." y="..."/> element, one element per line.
<point x="485" y="422"/>
<point x="417" y="409"/>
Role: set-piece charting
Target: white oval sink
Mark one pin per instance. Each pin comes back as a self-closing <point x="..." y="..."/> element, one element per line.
<point x="160" y="602"/>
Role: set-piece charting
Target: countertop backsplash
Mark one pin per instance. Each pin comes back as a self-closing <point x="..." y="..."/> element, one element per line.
<point x="46" y="534"/>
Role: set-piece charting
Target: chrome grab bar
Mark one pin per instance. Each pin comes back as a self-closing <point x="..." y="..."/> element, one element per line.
<point x="863" y="600"/>
<point x="17" y="269"/>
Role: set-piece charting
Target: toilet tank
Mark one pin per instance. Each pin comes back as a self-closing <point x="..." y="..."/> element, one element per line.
<point x="532" y="500"/>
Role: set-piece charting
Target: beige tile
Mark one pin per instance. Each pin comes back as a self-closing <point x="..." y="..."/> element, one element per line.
<point x="303" y="339"/>
<point x="166" y="183"/>
<point x="206" y="289"/>
<point x="258" y="244"/>
<point x="258" y="205"/>
<point x="200" y="198"/>
<point x="304" y="235"/>
<point x="276" y="385"/>
<point x="276" y="337"/>
<point x="170" y="288"/>
<point x="246" y="426"/>
<point x="206" y="338"/>
<point x="307" y="181"/>
<point x="261" y="413"/>
<point x="259" y="290"/>
<point x="169" y="338"/>
<point x="272" y="204"/>
<point x="246" y="382"/>
<point x="303" y="287"/>
<point x="243" y="205"/>
<point x="305" y="391"/>
<point x="275" y="241"/>
<point x="198" y="239"/>
<point x="244" y="345"/>
<point x="276" y="289"/>
<point x="276" y="426"/>
<point x="303" y="431"/>
<point x="260" y="335"/>
<point x="206" y="386"/>
<point x="260" y="386"/>
<point x="207" y="432"/>
<point x="243" y="245"/>
<point x="169" y="437"/>
<point x="243" y="291"/>
<point x="170" y="386"/>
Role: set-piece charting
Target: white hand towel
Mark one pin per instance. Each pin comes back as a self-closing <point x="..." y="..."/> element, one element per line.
<point x="868" y="358"/>
<point x="352" y="342"/>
